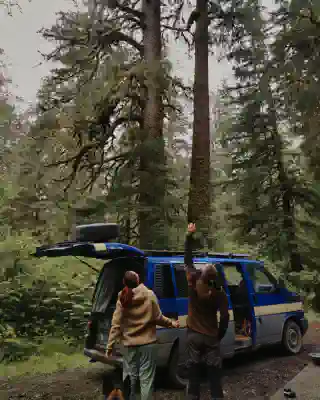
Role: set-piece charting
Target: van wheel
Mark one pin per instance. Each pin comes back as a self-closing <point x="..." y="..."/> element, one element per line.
<point x="292" y="337"/>
<point x="176" y="372"/>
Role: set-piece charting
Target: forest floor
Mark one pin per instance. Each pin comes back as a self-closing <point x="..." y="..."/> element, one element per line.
<point x="255" y="376"/>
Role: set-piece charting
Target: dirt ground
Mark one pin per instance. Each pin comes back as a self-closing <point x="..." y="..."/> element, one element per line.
<point x="255" y="376"/>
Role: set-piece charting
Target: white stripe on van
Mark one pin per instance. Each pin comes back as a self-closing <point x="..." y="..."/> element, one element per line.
<point x="278" y="308"/>
<point x="259" y="311"/>
<point x="183" y="319"/>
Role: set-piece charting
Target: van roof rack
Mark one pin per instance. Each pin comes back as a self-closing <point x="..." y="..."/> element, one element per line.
<point x="199" y="254"/>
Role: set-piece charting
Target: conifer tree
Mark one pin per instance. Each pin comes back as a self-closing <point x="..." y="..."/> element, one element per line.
<point x="267" y="190"/>
<point x="295" y="55"/>
<point x="126" y="87"/>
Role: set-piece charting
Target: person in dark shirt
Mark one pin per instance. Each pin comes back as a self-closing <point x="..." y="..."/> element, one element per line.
<point x="204" y="333"/>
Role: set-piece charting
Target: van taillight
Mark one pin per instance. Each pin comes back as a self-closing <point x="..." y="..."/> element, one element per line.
<point x="89" y="324"/>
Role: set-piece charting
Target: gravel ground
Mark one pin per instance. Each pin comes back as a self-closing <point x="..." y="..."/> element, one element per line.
<point x="254" y="376"/>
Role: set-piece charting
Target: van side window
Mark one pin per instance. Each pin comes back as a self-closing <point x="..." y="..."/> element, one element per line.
<point x="233" y="275"/>
<point x="181" y="281"/>
<point x="163" y="284"/>
<point x="261" y="282"/>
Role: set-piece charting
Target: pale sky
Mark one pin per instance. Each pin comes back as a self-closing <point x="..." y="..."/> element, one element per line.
<point x="22" y="43"/>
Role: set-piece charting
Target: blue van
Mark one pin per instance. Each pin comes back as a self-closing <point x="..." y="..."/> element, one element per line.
<point x="262" y="310"/>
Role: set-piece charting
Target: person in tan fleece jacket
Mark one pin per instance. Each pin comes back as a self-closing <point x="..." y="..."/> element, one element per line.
<point x="134" y="322"/>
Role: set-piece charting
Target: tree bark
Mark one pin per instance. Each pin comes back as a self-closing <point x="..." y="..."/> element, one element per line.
<point x="199" y="206"/>
<point x="151" y="216"/>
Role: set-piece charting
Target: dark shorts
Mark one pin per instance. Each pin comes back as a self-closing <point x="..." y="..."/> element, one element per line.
<point x="202" y="349"/>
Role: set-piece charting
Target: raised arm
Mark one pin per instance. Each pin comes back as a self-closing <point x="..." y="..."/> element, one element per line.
<point x="191" y="272"/>
<point x="188" y="245"/>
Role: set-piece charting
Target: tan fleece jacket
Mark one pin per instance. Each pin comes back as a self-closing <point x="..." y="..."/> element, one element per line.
<point x="136" y="324"/>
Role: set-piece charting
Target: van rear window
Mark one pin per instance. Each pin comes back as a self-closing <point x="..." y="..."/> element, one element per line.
<point x="163" y="284"/>
<point x="181" y="281"/>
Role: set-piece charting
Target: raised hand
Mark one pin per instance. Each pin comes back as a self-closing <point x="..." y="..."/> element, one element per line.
<point x="191" y="227"/>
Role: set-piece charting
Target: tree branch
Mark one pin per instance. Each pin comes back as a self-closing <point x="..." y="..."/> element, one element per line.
<point x="76" y="158"/>
<point x="122" y="120"/>
<point x="70" y="178"/>
<point x="309" y="13"/>
<point x="175" y="29"/>
<point x="129" y="10"/>
<point x="114" y="37"/>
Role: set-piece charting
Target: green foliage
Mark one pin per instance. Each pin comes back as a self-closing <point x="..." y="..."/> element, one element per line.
<point x="41" y="364"/>
<point x="84" y="155"/>
<point x="17" y="350"/>
<point x="87" y="137"/>
<point x="298" y="76"/>
<point x="40" y="298"/>
<point x="255" y="143"/>
<point x="272" y="183"/>
<point x="92" y="123"/>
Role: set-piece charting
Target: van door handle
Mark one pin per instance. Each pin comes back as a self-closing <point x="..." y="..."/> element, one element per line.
<point x="254" y="299"/>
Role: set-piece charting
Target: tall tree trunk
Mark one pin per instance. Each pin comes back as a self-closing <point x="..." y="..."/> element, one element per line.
<point x="199" y="207"/>
<point x="152" y="226"/>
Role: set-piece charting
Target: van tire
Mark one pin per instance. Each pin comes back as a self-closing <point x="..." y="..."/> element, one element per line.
<point x="176" y="381"/>
<point x="292" y="337"/>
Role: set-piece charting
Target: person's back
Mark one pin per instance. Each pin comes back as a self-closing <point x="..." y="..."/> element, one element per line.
<point x="134" y="322"/>
<point x="206" y="299"/>
<point x="137" y="326"/>
<point x="202" y="312"/>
